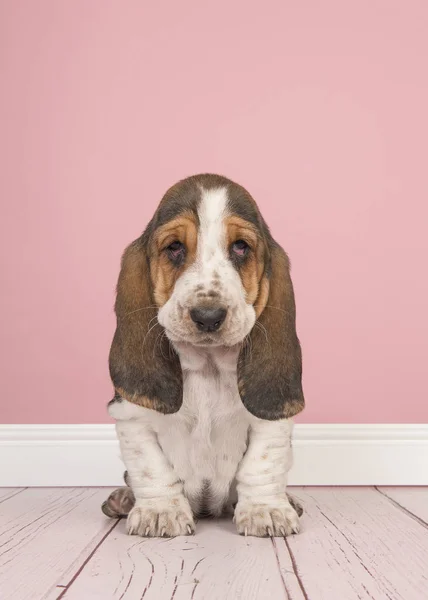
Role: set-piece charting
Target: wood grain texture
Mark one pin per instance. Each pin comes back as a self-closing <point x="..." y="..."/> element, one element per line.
<point x="355" y="544"/>
<point x="214" y="564"/>
<point x="289" y="572"/>
<point x="414" y="500"/>
<point x="45" y="534"/>
<point x="6" y="493"/>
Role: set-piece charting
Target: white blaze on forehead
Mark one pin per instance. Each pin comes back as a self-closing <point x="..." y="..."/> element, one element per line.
<point x="211" y="275"/>
<point x="211" y="212"/>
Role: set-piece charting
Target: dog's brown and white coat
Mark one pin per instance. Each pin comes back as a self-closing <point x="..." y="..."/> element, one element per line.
<point x="206" y="365"/>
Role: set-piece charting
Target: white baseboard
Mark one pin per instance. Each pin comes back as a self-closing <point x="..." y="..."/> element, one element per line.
<point x="88" y="455"/>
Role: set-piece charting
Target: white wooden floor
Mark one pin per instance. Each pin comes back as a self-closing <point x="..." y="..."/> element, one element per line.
<point x="356" y="543"/>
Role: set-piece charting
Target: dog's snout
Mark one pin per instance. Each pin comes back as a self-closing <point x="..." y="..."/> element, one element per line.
<point x="208" y="319"/>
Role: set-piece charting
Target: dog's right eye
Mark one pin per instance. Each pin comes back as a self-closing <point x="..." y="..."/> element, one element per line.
<point x="176" y="252"/>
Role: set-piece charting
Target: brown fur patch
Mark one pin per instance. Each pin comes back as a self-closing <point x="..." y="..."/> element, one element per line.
<point x="164" y="274"/>
<point x="269" y="378"/>
<point x="143" y="367"/>
<point x="152" y="403"/>
<point x="252" y="269"/>
<point x="263" y="296"/>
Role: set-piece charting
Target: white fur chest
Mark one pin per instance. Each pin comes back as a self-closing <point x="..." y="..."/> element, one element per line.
<point x="207" y="438"/>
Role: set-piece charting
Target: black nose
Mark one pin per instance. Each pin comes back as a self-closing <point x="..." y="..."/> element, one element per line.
<point x="208" y="319"/>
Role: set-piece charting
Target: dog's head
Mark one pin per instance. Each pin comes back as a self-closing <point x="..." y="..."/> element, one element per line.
<point x="207" y="272"/>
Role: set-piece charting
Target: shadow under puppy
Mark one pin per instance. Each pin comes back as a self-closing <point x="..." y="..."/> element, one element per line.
<point x="206" y="366"/>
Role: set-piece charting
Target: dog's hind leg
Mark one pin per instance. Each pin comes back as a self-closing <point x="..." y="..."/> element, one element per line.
<point x="295" y="504"/>
<point x="120" y="502"/>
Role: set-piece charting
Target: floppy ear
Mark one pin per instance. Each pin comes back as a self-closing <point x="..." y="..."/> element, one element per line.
<point x="143" y="366"/>
<point x="270" y="366"/>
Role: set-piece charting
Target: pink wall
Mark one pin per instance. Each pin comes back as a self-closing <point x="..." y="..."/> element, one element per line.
<point x="319" y="108"/>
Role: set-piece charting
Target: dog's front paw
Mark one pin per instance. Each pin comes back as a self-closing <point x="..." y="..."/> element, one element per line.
<point x="161" y="517"/>
<point x="262" y="520"/>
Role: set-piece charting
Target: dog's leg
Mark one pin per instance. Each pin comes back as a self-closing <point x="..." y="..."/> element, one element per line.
<point x="263" y="506"/>
<point x="120" y="502"/>
<point x="160" y="507"/>
<point x="295" y="504"/>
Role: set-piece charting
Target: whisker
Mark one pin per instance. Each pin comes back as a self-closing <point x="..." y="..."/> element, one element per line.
<point x="139" y="309"/>
<point x="160" y="338"/>
<point x="151" y="329"/>
<point x="247" y="347"/>
<point x="155" y="343"/>
<point x="151" y="321"/>
<point x="262" y="328"/>
<point x="270" y="306"/>
<point x="170" y="349"/>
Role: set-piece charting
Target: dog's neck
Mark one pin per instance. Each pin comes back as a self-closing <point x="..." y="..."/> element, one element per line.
<point x="199" y="358"/>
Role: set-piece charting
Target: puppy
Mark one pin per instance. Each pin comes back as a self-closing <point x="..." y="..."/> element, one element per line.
<point x="206" y="366"/>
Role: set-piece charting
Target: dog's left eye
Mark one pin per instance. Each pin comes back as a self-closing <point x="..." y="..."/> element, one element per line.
<point x="240" y="248"/>
<point x="176" y="251"/>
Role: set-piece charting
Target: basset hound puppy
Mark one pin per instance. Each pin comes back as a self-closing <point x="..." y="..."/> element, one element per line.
<point x="206" y="366"/>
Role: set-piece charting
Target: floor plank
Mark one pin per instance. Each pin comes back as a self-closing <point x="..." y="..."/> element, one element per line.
<point x="216" y="563"/>
<point x="412" y="499"/>
<point x="356" y="544"/>
<point x="6" y="493"/>
<point x="45" y="534"/>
